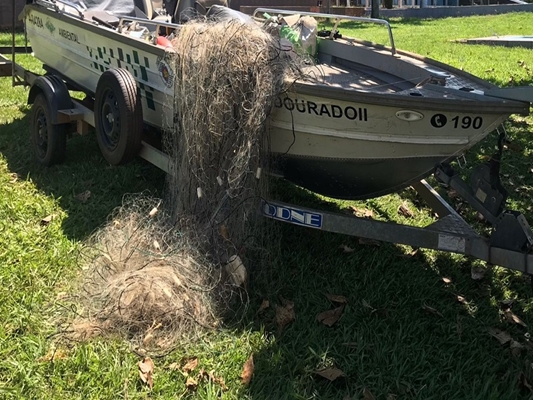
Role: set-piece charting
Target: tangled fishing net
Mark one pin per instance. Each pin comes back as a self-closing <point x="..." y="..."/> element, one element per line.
<point x="163" y="274"/>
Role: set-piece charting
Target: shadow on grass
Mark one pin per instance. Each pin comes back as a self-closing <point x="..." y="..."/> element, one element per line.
<point x="403" y="333"/>
<point x="83" y="170"/>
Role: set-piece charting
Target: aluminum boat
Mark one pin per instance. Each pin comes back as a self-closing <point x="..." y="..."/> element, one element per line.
<point x="371" y="121"/>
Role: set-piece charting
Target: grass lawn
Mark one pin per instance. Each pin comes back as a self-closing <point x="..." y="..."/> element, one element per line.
<point x="404" y="332"/>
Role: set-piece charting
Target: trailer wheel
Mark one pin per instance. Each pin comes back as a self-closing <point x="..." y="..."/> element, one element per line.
<point x="48" y="140"/>
<point x="118" y="116"/>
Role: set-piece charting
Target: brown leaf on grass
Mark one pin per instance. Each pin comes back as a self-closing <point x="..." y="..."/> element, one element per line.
<point x="367" y="394"/>
<point x="512" y="317"/>
<point x="330" y="373"/>
<point x="502" y="336"/>
<point x="405" y="211"/>
<point x="284" y="314"/>
<point x="173" y="366"/>
<point x="264" y="305"/>
<point x="337" y="298"/>
<point x="362" y="212"/>
<point x="146" y="371"/>
<point x="447" y="281"/>
<point x="330" y="317"/>
<point x="432" y="310"/>
<point x="346" y="249"/>
<point x="46" y="220"/>
<point x="191" y="383"/>
<point x="83" y="196"/>
<point x="247" y="370"/>
<point x="190" y="365"/>
<point x="369" y="242"/>
<point x="210" y="376"/>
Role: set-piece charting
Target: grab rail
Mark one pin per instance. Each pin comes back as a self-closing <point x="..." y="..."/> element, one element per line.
<point x="157" y="23"/>
<point x="332" y="16"/>
<point x="54" y="4"/>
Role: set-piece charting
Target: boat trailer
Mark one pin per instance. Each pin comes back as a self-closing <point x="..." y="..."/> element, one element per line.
<point x="509" y="245"/>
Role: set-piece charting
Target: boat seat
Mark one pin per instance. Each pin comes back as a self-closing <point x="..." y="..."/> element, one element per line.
<point x="103" y="16"/>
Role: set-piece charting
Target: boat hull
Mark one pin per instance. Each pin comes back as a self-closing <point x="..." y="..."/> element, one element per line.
<point x="351" y="150"/>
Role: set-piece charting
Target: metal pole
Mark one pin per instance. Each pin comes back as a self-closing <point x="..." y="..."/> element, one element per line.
<point x="13" y="20"/>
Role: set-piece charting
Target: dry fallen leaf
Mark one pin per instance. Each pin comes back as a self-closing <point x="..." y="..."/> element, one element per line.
<point x="264" y="305"/>
<point x="330" y="373"/>
<point x="512" y="317"/>
<point x="247" y="370"/>
<point x="362" y="212"/>
<point x="405" y="211"/>
<point x="190" y="365"/>
<point x="173" y="366"/>
<point x="210" y="376"/>
<point x="191" y="383"/>
<point x="284" y="314"/>
<point x="447" y="281"/>
<point x="46" y="220"/>
<point x="146" y="370"/>
<point x="336" y="298"/>
<point x="346" y="249"/>
<point x="502" y="336"/>
<point x="330" y="317"/>
<point x="367" y="395"/>
<point x="83" y="196"/>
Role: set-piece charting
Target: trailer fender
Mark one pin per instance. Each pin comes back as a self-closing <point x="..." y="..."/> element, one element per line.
<point x="55" y="91"/>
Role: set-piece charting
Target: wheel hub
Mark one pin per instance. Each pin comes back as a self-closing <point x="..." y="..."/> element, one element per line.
<point x="110" y="120"/>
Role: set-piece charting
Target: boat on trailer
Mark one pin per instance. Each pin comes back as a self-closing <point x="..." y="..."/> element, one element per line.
<point x="368" y="120"/>
<point x="373" y="121"/>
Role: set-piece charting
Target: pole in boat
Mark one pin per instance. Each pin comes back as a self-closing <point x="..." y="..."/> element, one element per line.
<point x="13" y="44"/>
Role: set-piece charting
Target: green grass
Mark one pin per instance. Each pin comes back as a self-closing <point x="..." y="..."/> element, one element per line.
<point x="387" y="341"/>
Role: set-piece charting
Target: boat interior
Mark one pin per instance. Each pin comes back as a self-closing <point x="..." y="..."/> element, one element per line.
<point x="340" y="63"/>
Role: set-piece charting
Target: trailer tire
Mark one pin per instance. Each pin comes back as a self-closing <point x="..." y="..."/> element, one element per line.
<point x="118" y="116"/>
<point x="48" y="140"/>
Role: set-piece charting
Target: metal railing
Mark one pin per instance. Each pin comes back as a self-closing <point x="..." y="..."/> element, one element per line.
<point x="332" y="16"/>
